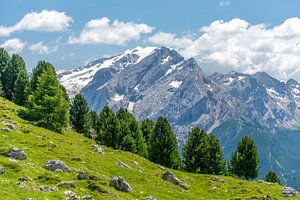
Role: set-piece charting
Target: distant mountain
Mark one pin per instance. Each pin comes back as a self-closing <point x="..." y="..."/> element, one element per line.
<point x="155" y="81"/>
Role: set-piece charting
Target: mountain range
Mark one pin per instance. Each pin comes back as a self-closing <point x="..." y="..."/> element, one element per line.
<point x="158" y="81"/>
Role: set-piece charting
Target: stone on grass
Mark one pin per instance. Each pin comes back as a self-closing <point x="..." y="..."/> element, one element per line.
<point x="16" y="153"/>
<point x="10" y="126"/>
<point x="54" y="165"/>
<point x="48" y="189"/>
<point x="2" y="170"/>
<point x="215" y="178"/>
<point x="289" y="192"/>
<point x="170" y="177"/>
<point x="5" y="129"/>
<point x="99" y="149"/>
<point x="67" y="184"/>
<point x="82" y="175"/>
<point x="150" y="198"/>
<point x="123" y="165"/>
<point x="86" y="197"/>
<point x="120" y="184"/>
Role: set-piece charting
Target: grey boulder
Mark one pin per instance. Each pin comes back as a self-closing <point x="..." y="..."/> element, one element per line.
<point x="16" y="154"/>
<point x="120" y="184"/>
<point x="289" y="192"/>
<point x="56" y="165"/>
<point x="170" y="177"/>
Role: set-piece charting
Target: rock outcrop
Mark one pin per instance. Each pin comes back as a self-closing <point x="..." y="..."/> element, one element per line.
<point x="16" y="153"/>
<point x="170" y="177"/>
<point x="289" y="192"/>
<point x="56" y="165"/>
<point x="120" y="184"/>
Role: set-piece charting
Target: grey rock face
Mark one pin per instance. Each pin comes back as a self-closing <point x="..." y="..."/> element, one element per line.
<point x="120" y="184"/>
<point x="170" y="177"/>
<point x="289" y="192"/>
<point x="16" y="153"/>
<point x="54" y="165"/>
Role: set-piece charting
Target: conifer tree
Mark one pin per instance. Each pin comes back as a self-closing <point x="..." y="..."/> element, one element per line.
<point x="47" y="104"/>
<point x="196" y="152"/>
<point x="147" y="127"/>
<point x="10" y="74"/>
<point x="109" y="128"/>
<point x="93" y="120"/>
<point x="4" y="60"/>
<point x="79" y="114"/>
<point x="244" y="161"/>
<point x="272" y="177"/>
<point x="217" y="163"/>
<point x="37" y="72"/>
<point x="21" y="88"/>
<point x="163" y="147"/>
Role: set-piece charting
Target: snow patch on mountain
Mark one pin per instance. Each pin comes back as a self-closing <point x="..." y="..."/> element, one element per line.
<point x="175" y="84"/>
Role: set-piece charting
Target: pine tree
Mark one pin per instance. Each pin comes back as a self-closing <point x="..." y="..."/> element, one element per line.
<point x="93" y="120"/>
<point x="147" y="127"/>
<point x="196" y="152"/>
<point x="47" y="104"/>
<point x="10" y="74"/>
<point x="4" y="60"/>
<point x="131" y="136"/>
<point x="163" y="147"/>
<point x="272" y="177"/>
<point x="217" y="163"/>
<point x="244" y="161"/>
<point x="21" y="88"/>
<point x="37" y="72"/>
<point x="79" y="114"/>
<point x="109" y="128"/>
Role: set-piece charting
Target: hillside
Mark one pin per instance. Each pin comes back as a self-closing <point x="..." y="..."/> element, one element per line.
<point x="79" y="153"/>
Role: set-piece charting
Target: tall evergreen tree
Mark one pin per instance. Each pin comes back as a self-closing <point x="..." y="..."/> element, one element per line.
<point x="4" y="60"/>
<point x="109" y="128"/>
<point x="216" y="163"/>
<point x="196" y="152"/>
<point x="244" y="161"/>
<point x="41" y="67"/>
<point x="47" y="104"/>
<point x="147" y="127"/>
<point x="163" y="147"/>
<point x="131" y="136"/>
<point x="272" y="177"/>
<point x="79" y="114"/>
<point x="21" y="88"/>
<point x="93" y="120"/>
<point x="10" y="74"/>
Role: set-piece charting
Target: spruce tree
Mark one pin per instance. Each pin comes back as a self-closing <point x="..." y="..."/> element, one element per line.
<point x="216" y="163"/>
<point x="79" y="114"/>
<point x="272" y="177"/>
<point x="10" y="74"/>
<point x="4" y="60"/>
<point x="109" y="128"/>
<point x="163" y="147"/>
<point x="47" y="104"/>
<point x="147" y="127"/>
<point x="21" y="88"/>
<point x="131" y="136"/>
<point x="244" y="161"/>
<point x="93" y="120"/>
<point x="196" y="152"/>
<point x="37" y="72"/>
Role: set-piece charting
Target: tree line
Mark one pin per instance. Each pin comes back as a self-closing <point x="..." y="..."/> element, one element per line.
<point x="48" y="105"/>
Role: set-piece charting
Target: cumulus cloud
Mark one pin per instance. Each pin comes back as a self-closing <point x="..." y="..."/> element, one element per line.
<point x="224" y="3"/>
<point x="40" y="48"/>
<point x="14" y="45"/>
<point x="238" y="45"/>
<point x="45" y="21"/>
<point x="103" y="31"/>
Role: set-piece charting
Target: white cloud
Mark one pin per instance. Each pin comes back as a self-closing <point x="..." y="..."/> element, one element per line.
<point x="40" y="48"/>
<point x="238" y="45"/>
<point x="103" y="31"/>
<point x="224" y="3"/>
<point x="14" y="45"/>
<point x="45" y="21"/>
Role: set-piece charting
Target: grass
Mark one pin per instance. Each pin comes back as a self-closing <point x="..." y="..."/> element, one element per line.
<point x="78" y="153"/>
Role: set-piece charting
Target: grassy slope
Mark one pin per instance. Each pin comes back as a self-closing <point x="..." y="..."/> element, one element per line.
<point x="78" y="153"/>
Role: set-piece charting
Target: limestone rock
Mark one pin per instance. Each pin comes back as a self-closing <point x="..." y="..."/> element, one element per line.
<point x="16" y="153"/>
<point x="170" y="177"/>
<point x="123" y="165"/>
<point x="10" y="126"/>
<point x="120" y="184"/>
<point x="48" y="189"/>
<point x="82" y="175"/>
<point x="150" y="198"/>
<point x="67" y="184"/>
<point x="2" y="170"/>
<point x="215" y="178"/>
<point x="54" y="165"/>
<point x="86" y="197"/>
<point x="289" y="192"/>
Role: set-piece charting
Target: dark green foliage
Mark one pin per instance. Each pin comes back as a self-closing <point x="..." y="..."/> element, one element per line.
<point x="79" y="114"/>
<point x="1" y="91"/>
<point x="163" y="147"/>
<point x="66" y="96"/>
<point x="203" y="154"/>
<point x="10" y="75"/>
<point x="147" y="127"/>
<point x="4" y="60"/>
<point x="272" y="177"/>
<point x="131" y="137"/>
<point x="47" y="104"/>
<point x="244" y="161"/>
<point x="93" y="120"/>
<point x="109" y="128"/>
<point x="37" y="72"/>
<point x="21" y="88"/>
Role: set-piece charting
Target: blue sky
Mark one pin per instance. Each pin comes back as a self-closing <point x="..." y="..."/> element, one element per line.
<point x="151" y="21"/>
